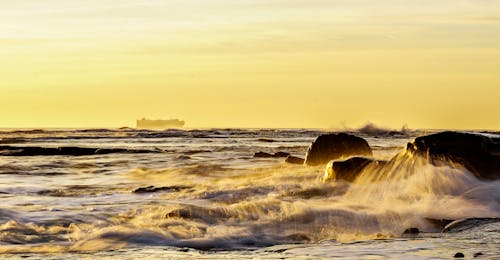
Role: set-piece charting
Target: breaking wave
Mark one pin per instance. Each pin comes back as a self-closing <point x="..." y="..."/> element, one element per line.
<point x="249" y="208"/>
<point x="373" y="130"/>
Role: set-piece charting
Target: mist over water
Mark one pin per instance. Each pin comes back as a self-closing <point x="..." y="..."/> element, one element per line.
<point x="209" y="193"/>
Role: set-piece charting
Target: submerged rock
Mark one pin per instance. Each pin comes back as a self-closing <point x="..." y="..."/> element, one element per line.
<point x="266" y="140"/>
<point x="334" y="146"/>
<point x="299" y="237"/>
<point x="150" y="189"/>
<point x="478" y="153"/>
<point x="262" y="155"/>
<point x="349" y="169"/>
<point x="459" y="255"/>
<point x="411" y="231"/>
<point x="207" y="215"/>
<point x="468" y="223"/>
<point x="439" y="223"/>
<point x="268" y="155"/>
<point x="281" y="155"/>
<point x="66" y="150"/>
<point x="294" y="160"/>
<point x="309" y="193"/>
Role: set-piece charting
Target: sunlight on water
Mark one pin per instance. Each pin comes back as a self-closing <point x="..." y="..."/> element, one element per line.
<point x="227" y="200"/>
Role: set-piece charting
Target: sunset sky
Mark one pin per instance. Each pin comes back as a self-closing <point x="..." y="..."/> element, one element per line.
<point x="251" y="63"/>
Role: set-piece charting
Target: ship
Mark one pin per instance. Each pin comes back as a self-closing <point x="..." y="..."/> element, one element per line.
<point x="159" y="124"/>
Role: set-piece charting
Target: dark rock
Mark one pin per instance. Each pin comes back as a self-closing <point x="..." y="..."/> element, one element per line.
<point x="309" y="193"/>
<point x="411" y="231"/>
<point x="266" y="140"/>
<point x="478" y="254"/>
<point x="468" y="223"/>
<point x="66" y="150"/>
<point x="209" y="215"/>
<point x="281" y="155"/>
<point x="459" y="255"/>
<point x="280" y="251"/>
<point x="262" y="155"/>
<point x="150" y="189"/>
<point x="268" y="155"/>
<point x="480" y="154"/>
<point x="298" y="237"/>
<point x="334" y="146"/>
<point x="349" y="169"/>
<point x="294" y="160"/>
<point x="439" y="223"/>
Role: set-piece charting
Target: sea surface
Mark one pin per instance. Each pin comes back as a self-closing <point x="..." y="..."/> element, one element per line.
<point x="201" y="194"/>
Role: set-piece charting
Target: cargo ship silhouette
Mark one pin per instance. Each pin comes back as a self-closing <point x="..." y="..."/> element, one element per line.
<point x="159" y="124"/>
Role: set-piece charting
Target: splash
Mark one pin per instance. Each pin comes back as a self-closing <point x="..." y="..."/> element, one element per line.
<point x="418" y="191"/>
<point x="372" y="129"/>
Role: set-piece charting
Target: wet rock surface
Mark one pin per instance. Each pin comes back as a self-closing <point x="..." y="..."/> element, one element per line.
<point x="411" y="231"/>
<point x="439" y="223"/>
<point x="480" y="154"/>
<point x="468" y="223"/>
<point x="151" y="189"/>
<point x="269" y="155"/>
<point x="335" y="146"/>
<point x="350" y="169"/>
<point x="294" y="160"/>
<point x="65" y="150"/>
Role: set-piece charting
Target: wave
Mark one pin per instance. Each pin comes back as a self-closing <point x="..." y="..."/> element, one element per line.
<point x="51" y="135"/>
<point x="13" y="140"/>
<point x="219" y="205"/>
<point x="250" y="208"/>
<point x="302" y="210"/>
<point x="31" y="131"/>
<point x="373" y="130"/>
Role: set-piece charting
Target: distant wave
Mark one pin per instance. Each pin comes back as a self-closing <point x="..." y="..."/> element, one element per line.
<point x="372" y="129"/>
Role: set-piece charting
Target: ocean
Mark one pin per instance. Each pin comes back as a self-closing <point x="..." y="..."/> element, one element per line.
<point x="131" y="194"/>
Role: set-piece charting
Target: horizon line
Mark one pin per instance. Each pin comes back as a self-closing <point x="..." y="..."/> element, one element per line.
<point x="249" y="128"/>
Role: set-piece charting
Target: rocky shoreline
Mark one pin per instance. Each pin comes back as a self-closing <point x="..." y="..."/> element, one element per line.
<point x="346" y="157"/>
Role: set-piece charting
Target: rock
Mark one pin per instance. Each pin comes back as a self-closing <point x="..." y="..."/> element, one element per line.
<point x="468" y="223"/>
<point x="298" y="237"/>
<point x="266" y="140"/>
<point x="335" y="146"/>
<point x="294" y="160"/>
<point x="66" y="150"/>
<point x="209" y="215"/>
<point x="349" y="169"/>
<point x="439" y="223"/>
<point x="262" y="155"/>
<point x="182" y="157"/>
<point x="268" y="155"/>
<point x="281" y="155"/>
<point x="459" y="255"/>
<point x="480" y="154"/>
<point x="157" y="189"/>
<point x="411" y="231"/>
<point x="309" y="193"/>
<point x="346" y="170"/>
<point x="478" y="254"/>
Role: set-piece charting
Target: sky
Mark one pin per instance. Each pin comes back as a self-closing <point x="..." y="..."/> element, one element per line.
<point x="251" y="63"/>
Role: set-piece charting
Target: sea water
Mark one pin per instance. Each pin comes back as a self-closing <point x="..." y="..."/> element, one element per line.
<point x="205" y="196"/>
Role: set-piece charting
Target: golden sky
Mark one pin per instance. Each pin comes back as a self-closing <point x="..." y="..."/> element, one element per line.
<point x="251" y="63"/>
